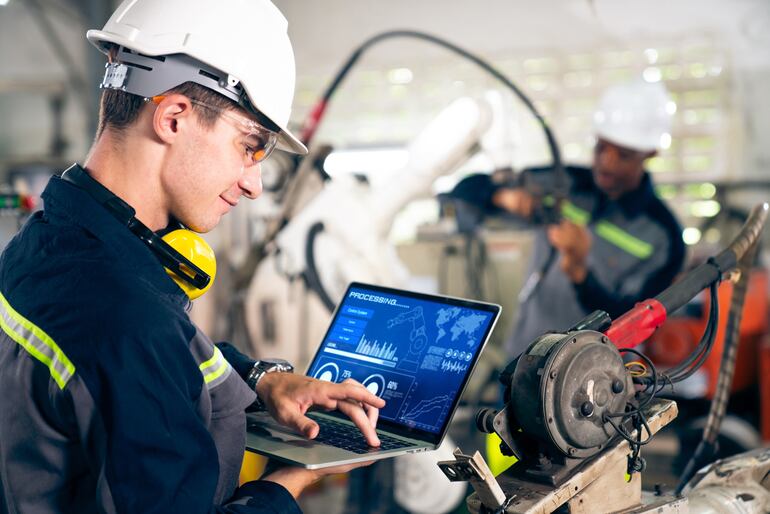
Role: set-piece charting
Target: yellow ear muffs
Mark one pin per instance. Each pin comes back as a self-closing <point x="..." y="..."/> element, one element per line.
<point x="198" y="251"/>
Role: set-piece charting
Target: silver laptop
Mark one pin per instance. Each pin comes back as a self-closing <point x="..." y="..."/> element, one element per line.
<point x="415" y="351"/>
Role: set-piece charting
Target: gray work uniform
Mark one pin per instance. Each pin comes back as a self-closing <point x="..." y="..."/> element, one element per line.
<point x="636" y="251"/>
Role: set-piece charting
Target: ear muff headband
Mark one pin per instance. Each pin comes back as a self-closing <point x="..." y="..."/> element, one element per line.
<point x="189" y="276"/>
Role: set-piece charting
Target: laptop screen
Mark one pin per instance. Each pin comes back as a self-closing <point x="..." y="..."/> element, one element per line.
<point x="415" y="351"/>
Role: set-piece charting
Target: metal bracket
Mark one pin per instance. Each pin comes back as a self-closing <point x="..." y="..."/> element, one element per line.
<point x="503" y="431"/>
<point x="115" y="74"/>
<point x="474" y="469"/>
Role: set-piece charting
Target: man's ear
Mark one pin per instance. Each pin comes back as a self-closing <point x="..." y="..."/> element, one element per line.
<point x="172" y="115"/>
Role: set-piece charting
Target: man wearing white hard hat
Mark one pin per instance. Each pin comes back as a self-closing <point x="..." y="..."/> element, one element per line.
<point x="616" y="243"/>
<point x="113" y="400"/>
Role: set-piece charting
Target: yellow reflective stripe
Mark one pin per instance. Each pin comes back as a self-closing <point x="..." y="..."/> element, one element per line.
<point x="216" y="374"/>
<point x="212" y="361"/>
<point x="36" y="342"/>
<point x="214" y="367"/>
<point x="624" y="240"/>
<point x="574" y="213"/>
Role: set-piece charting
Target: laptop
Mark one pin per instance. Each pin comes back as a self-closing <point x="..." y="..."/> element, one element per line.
<point x="416" y="351"/>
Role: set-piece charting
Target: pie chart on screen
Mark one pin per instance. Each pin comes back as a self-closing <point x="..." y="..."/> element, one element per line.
<point x="375" y="384"/>
<point x="329" y="372"/>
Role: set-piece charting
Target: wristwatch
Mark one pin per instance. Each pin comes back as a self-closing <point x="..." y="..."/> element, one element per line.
<point x="260" y="369"/>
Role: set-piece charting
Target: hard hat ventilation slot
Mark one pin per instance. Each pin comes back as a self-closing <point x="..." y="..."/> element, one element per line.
<point x="135" y="65"/>
<point x="161" y="58"/>
<point x="209" y="75"/>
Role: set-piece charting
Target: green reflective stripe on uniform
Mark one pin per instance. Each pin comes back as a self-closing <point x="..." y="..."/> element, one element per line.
<point x="36" y="342"/>
<point x="609" y="232"/>
<point x="215" y="367"/>
<point x="624" y="240"/>
<point x="574" y="213"/>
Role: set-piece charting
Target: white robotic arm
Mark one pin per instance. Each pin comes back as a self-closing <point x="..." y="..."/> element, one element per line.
<point x="341" y="236"/>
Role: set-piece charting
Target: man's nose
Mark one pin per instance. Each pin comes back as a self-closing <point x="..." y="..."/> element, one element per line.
<point x="250" y="182"/>
<point x="608" y="157"/>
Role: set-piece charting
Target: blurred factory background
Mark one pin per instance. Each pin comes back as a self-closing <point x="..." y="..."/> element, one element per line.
<point x="712" y="56"/>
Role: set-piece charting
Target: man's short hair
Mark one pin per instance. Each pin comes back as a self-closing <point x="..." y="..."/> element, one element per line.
<point x="118" y="109"/>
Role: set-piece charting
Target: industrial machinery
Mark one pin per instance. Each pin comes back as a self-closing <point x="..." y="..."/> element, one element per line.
<point x="576" y="414"/>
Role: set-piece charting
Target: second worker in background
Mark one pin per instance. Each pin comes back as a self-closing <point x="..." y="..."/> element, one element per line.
<point x="616" y="243"/>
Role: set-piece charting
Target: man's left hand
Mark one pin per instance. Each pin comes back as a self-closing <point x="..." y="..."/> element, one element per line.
<point x="573" y="243"/>
<point x="288" y="397"/>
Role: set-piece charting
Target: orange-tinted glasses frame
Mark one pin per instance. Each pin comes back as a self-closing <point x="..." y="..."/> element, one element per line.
<point x="265" y="139"/>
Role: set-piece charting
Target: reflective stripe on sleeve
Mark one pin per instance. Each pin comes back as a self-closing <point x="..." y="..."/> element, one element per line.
<point x="36" y="342"/>
<point x="623" y="240"/>
<point x="214" y="368"/>
<point x="574" y="213"/>
<point x="609" y="232"/>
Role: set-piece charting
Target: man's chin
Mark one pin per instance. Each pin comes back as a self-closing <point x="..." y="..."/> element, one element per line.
<point x="202" y="227"/>
<point x="606" y="184"/>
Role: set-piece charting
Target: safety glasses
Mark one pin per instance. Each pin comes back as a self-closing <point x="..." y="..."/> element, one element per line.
<point x="258" y="142"/>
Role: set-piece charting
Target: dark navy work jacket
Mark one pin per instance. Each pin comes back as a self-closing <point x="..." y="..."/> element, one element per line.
<point x="111" y="400"/>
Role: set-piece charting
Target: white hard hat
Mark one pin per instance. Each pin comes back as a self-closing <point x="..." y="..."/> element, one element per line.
<point x="635" y="115"/>
<point x="239" y="48"/>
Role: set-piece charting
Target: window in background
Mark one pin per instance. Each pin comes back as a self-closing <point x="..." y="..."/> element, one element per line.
<point x="387" y="107"/>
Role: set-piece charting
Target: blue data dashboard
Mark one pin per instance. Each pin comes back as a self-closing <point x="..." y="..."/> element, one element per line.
<point x="413" y="353"/>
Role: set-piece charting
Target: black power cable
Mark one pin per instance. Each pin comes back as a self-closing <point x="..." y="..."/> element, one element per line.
<point x="636" y="416"/>
<point x="696" y="359"/>
<point x="311" y="275"/>
<point x="654" y="382"/>
<point x="708" y="444"/>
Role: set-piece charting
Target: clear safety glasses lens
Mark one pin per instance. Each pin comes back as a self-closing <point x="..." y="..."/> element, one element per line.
<point x="259" y="142"/>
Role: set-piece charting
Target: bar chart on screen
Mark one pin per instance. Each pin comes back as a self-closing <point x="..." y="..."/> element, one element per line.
<point x="375" y="349"/>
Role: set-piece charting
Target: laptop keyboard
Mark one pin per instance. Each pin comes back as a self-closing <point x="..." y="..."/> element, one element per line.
<point x="349" y="437"/>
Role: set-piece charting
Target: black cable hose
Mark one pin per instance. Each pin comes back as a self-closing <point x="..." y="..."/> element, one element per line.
<point x="637" y="417"/>
<point x="647" y="400"/>
<point x="696" y="359"/>
<point x="625" y="435"/>
<point x="741" y="254"/>
<point x="311" y="276"/>
<point x="708" y="444"/>
<point x="704" y="340"/>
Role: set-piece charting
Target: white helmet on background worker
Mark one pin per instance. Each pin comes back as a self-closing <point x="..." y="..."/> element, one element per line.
<point x="238" y="48"/>
<point x="635" y="115"/>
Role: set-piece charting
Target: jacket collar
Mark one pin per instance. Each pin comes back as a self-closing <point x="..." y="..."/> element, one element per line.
<point x="64" y="201"/>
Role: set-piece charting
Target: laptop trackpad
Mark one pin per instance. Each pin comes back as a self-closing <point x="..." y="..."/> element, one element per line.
<point x="264" y="426"/>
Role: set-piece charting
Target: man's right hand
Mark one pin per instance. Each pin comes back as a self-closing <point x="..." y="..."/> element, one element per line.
<point x="288" y="397"/>
<point x="516" y="201"/>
